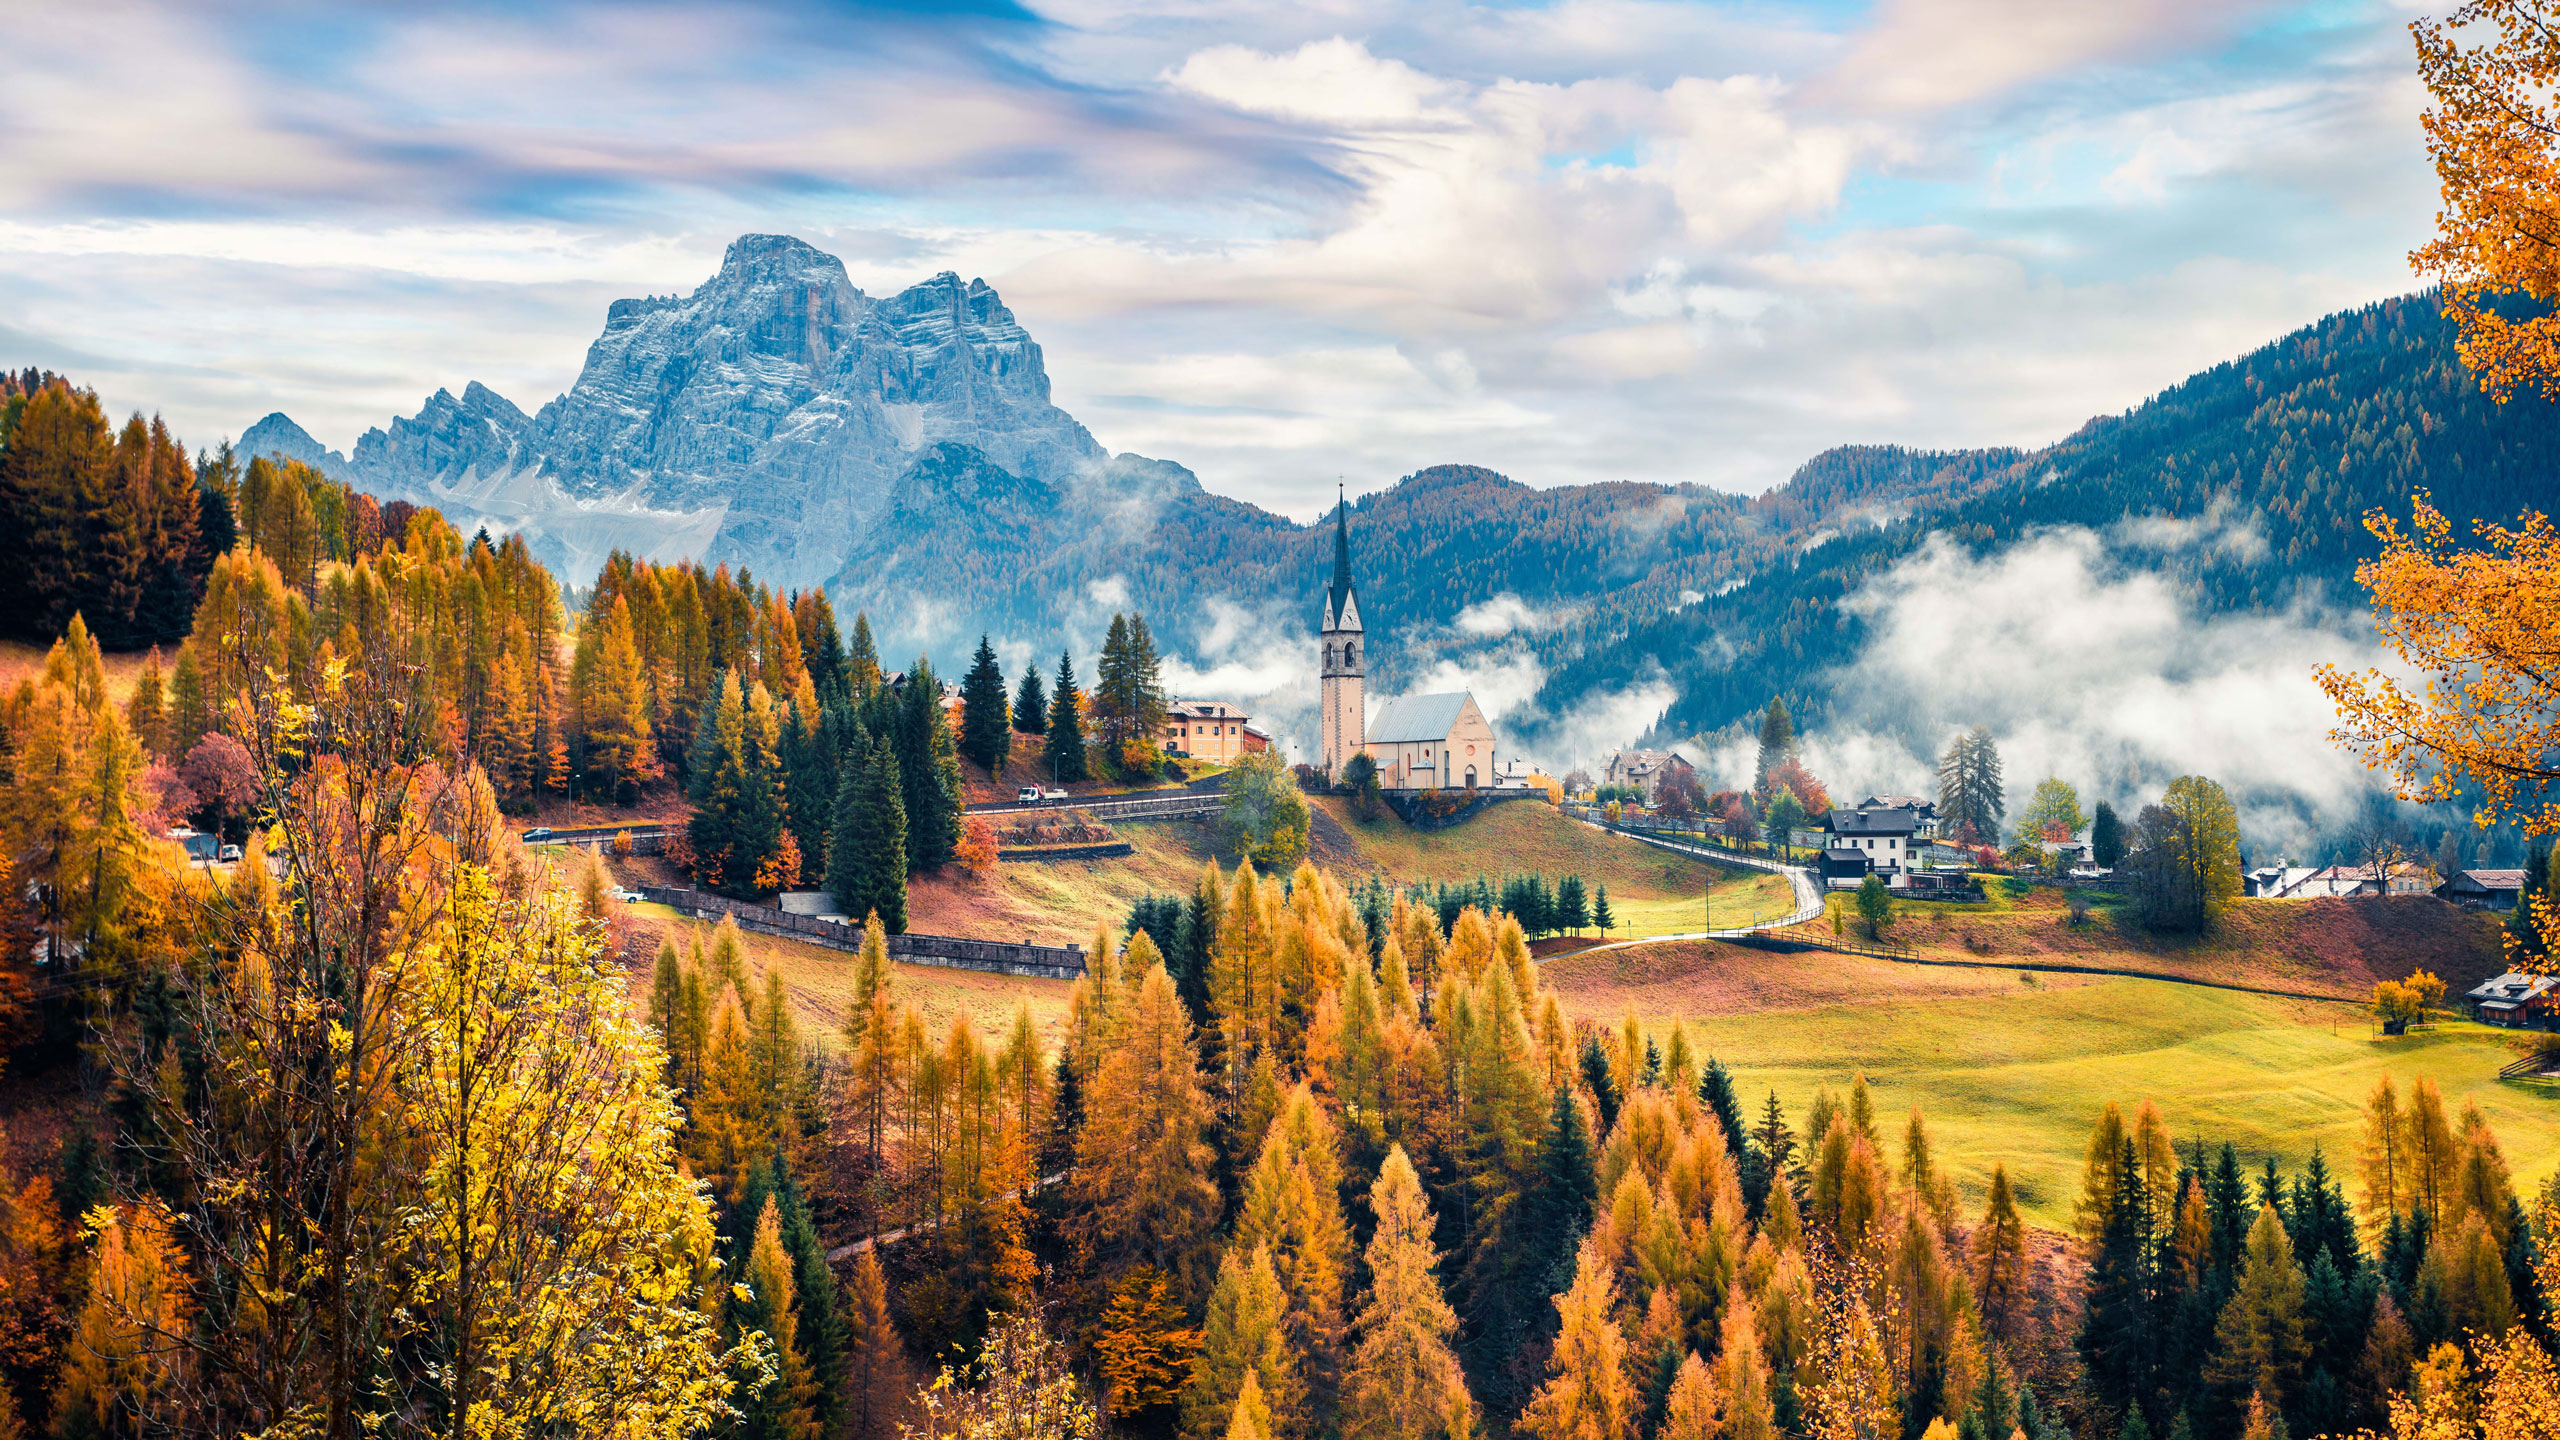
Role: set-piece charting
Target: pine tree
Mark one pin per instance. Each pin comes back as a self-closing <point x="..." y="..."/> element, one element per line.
<point x="2259" y="1342"/>
<point x="1573" y="904"/>
<point x="1971" y="798"/>
<point x="862" y="659"/>
<point x="1403" y="1381"/>
<point x="1128" y="691"/>
<point x="1031" y="704"/>
<point x="1601" y="919"/>
<point x="867" y="855"/>
<point x="985" y="739"/>
<point x="1244" y="1338"/>
<point x="1999" y="1257"/>
<point x="1777" y="746"/>
<point x="878" y="1383"/>
<point x="1587" y="1395"/>
<point x="2118" y="1336"/>
<point x="1144" y="1168"/>
<point x="928" y="771"/>
<point x="741" y="844"/>
<point x="809" y="775"/>
<point x="2106" y="837"/>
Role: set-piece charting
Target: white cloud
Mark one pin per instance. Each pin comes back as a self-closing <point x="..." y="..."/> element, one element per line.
<point x="1334" y="80"/>
<point x="1501" y="615"/>
<point x="1586" y="241"/>
<point x="1923" y="54"/>
<point x="2086" y="664"/>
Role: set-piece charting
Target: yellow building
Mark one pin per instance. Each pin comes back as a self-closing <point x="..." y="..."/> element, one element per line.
<point x="1210" y="730"/>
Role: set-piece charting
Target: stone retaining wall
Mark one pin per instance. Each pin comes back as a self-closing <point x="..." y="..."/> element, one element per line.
<point x="1050" y="962"/>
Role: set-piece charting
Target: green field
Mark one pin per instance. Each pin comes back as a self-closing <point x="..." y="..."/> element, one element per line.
<point x="1651" y="892"/>
<point x="2015" y="1072"/>
<point x="1738" y="898"/>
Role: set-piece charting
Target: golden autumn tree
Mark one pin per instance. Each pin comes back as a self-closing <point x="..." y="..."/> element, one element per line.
<point x="1144" y="1343"/>
<point x="1244" y="1339"/>
<point x="120" y="1354"/>
<point x="2477" y="624"/>
<point x="1144" y="1168"/>
<point x="1587" y="1395"/>
<point x="1403" y="1381"/>
<point x="548" y="1202"/>
<point x="2493" y="131"/>
<point x="2478" y="627"/>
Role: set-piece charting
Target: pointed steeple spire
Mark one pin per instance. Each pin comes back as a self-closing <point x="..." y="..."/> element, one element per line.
<point x="1341" y="557"/>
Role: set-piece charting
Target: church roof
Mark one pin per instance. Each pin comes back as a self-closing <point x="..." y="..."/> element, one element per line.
<point x="1339" y="595"/>
<point x="1418" y="717"/>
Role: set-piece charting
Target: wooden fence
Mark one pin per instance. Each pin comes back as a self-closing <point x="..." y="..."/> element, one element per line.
<point x="1051" y="962"/>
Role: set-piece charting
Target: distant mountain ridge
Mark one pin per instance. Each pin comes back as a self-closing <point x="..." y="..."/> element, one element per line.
<point x="905" y="452"/>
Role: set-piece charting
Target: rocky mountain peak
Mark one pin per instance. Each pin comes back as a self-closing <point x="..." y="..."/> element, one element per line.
<point x="762" y="419"/>
<point x="778" y="257"/>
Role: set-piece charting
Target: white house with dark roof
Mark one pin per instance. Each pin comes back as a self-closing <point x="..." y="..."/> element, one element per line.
<point x="1883" y="837"/>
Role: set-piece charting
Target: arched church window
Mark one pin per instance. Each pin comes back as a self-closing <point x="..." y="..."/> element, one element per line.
<point x="1351" y="653"/>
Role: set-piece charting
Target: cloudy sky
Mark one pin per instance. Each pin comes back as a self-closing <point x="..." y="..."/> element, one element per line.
<point x="1585" y="240"/>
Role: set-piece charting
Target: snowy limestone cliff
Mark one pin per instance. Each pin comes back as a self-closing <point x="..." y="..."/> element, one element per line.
<point x="764" y="420"/>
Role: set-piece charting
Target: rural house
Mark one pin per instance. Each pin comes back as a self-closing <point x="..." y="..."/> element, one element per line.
<point x="1883" y="838"/>
<point x="1925" y="812"/>
<point x="1210" y="730"/>
<point x="2516" y="1000"/>
<point x="2483" y="889"/>
<point x="1643" y="771"/>
<point x="2355" y="882"/>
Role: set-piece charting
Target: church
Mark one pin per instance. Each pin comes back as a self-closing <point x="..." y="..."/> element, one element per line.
<point x="1420" y="742"/>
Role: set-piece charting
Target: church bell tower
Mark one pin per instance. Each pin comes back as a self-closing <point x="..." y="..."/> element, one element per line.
<point x="1345" y="721"/>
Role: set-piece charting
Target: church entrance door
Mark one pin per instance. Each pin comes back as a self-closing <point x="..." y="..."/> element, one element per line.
<point x="1471" y="777"/>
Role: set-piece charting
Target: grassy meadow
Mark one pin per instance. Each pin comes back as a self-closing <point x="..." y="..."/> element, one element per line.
<point x="2013" y="1067"/>
<point x="1653" y="892"/>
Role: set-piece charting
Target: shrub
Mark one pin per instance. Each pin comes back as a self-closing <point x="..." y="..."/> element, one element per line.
<point x="1875" y="905"/>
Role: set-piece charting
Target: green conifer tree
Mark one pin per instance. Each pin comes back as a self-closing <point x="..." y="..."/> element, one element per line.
<point x="985" y="737"/>
<point x="1031" y="704"/>
<point x="928" y="770"/>
<point x="867" y="855"/>
<point x="1065" y="750"/>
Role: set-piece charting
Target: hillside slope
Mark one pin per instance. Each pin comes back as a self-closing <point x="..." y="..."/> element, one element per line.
<point x="2282" y="451"/>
